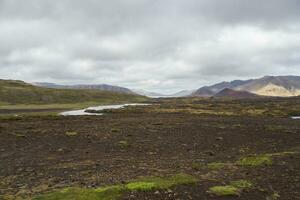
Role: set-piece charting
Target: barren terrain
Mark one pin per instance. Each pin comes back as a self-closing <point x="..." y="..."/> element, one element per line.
<point x="214" y="141"/>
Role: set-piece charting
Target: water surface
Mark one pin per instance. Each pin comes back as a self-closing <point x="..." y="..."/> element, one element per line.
<point x="296" y="117"/>
<point x="99" y="108"/>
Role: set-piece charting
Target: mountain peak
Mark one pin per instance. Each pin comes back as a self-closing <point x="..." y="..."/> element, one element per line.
<point x="234" y="94"/>
<point x="266" y="86"/>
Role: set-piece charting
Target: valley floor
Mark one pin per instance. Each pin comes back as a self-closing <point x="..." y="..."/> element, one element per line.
<point x="215" y="142"/>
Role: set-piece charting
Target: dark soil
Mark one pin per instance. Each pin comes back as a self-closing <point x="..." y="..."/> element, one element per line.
<point x="38" y="156"/>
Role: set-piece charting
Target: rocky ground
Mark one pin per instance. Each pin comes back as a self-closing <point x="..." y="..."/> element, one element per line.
<point x="216" y="142"/>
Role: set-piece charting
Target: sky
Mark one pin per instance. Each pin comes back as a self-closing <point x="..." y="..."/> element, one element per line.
<point x="156" y="45"/>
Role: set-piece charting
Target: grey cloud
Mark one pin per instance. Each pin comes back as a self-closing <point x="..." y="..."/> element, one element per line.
<point x="268" y="12"/>
<point x="158" y="45"/>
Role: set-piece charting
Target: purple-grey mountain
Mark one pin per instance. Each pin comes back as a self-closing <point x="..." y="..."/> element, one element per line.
<point x="103" y="87"/>
<point x="281" y="86"/>
<point x="230" y="93"/>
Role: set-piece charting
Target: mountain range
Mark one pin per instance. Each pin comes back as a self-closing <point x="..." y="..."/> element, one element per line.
<point x="281" y="86"/>
<point x="235" y="94"/>
<point x="103" y="87"/>
<point x="182" y="93"/>
<point x="19" y="92"/>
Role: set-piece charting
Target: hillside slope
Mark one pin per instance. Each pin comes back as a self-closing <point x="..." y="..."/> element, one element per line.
<point x="104" y="87"/>
<point x="208" y="91"/>
<point x="229" y="93"/>
<point x="273" y="86"/>
<point x="281" y="86"/>
<point x="19" y="92"/>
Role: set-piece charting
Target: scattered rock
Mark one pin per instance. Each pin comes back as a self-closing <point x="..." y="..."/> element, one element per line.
<point x="210" y="153"/>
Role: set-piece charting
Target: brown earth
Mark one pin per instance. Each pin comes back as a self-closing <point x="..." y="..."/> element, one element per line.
<point x="38" y="155"/>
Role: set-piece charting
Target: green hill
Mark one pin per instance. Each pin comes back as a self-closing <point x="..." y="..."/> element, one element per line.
<point x="14" y="92"/>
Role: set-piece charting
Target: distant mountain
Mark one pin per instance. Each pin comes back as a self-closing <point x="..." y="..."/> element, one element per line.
<point x="274" y="86"/>
<point x="205" y="91"/>
<point x="46" y="85"/>
<point x="183" y="93"/>
<point x="208" y="91"/>
<point x="103" y="87"/>
<point x="230" y="93"/>
<point x="19" y="92"/>
<point x="147" y="93"/>
<point x="283" y="86"/>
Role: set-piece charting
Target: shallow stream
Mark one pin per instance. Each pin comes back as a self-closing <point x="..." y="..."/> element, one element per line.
<point x="99" y="108"/>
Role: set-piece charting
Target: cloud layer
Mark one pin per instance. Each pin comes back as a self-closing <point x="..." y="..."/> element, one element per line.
<point x="156" y="45"/>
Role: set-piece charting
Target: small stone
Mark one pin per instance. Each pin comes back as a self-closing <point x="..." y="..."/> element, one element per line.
<point x="210" y="153"/>
<point x="219" y="138"/>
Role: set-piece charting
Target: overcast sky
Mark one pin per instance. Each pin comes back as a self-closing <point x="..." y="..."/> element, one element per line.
<point x="157" y="45"/>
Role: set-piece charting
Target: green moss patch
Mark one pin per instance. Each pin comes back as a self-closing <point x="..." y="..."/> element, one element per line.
<point x="274" y="196"/>
<point x="263" y="159"/>
<point x="234" y="189"/>
<point x="115" y="130"/>
<point x="124" y="143"/>
<point x="107" y="193"/>
<point x="248" y="161"/>
<point x="216" y="166"/>
<point x="19" y="135"/>
<point x="114" y="192"/>
<point x="161" y="183"/>
<point x="71" y="133"/>
<point x="142" y="186"/>
<point x="254" y="161"/>
<point x="224" y="190"/>
<point x="241" y="184"/>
